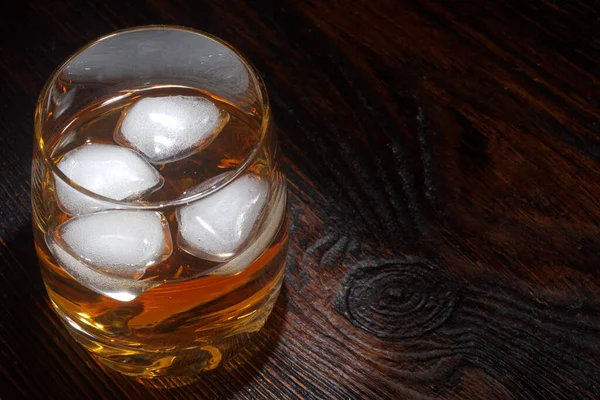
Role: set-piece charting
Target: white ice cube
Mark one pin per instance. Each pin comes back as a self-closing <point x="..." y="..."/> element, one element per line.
<point x="117" y="242"/>
<point x="111" y="171"/>
<point x="264" y="237"/>
<point x="121" y="289"/>
<point x="217" y="226"/>
<point x="171" y="128"/>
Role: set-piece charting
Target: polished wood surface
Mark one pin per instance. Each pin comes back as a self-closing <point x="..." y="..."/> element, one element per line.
<point x="443" y="160"/>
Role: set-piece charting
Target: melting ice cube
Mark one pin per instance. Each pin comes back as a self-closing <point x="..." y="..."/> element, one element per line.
<point x="108" y="170"/>
<point x="107" y="251"/>
<point x="217" y="226"/>
<point x="265" y="236"/>
<point x="121" y="289"/>
<point x="119" y="243"/>
<point x="171" y="128"/>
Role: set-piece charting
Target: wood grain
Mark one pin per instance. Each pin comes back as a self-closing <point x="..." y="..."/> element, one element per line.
<point x="397" y="298"/>
<point x="443" y="161"/>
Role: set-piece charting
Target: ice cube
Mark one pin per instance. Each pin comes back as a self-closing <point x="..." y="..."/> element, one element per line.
<point x="121" y="289"/>
<point x="217" y="226"/>
<point x="171" y="128"/>
<point x="265" y="236"/>
<point x="111" y="171"/>
<point x="117" y="242"/>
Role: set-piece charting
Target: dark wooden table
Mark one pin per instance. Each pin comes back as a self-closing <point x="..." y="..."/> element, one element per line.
<point x="444" y="167"/>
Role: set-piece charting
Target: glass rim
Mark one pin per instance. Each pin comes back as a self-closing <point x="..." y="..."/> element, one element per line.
<point x="39" y="142"/>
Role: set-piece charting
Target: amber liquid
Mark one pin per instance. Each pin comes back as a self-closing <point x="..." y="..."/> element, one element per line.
<point x="194" y="319"/>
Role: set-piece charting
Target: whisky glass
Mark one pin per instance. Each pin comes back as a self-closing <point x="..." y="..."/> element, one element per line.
<point x="160" y="213"/>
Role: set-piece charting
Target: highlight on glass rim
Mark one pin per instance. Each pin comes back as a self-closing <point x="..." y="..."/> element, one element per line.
<point x="159" y="205"/>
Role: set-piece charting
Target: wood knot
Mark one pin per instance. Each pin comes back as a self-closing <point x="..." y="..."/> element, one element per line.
<point x="398" y="298"/>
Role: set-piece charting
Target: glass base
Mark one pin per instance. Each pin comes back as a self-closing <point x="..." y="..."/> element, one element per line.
<point x="181" y="363"/>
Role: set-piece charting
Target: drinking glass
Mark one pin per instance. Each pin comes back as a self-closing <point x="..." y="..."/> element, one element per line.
<point x="159" y="205"/>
